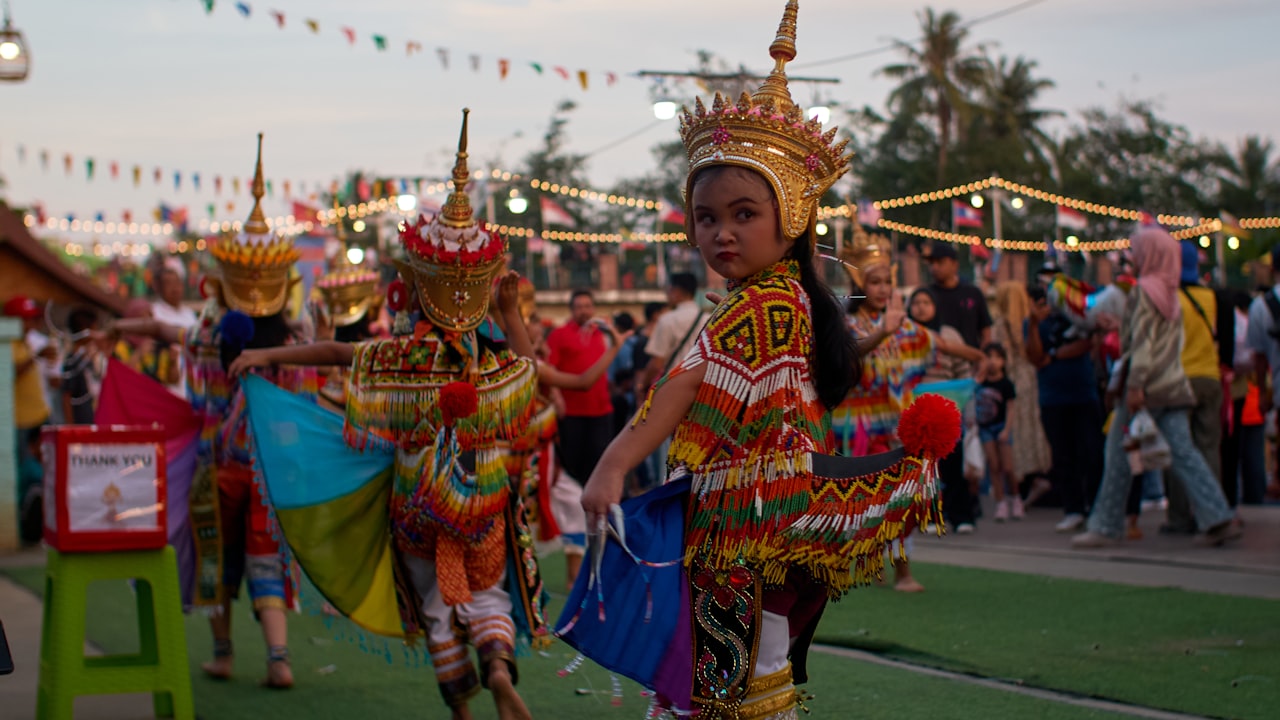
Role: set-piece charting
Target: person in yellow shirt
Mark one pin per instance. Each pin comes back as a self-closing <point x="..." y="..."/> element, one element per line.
<point x="30" y="410"/>
<point x="1201" y="364"/>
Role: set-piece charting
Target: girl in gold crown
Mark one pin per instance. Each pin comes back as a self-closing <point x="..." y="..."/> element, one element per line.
<point x="749" y="403"/>
<point x="229" y="514"/>
<point x="896" y="355"/>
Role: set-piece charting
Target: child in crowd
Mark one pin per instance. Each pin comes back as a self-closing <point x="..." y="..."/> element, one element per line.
<point x="994" y="406"/>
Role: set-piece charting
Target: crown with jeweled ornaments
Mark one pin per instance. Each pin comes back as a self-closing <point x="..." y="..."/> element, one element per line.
<point x="348" y="290"/>
<point x="766" y="132"/>
<point x="254" y="263"/>
<point x="451" y="259"/>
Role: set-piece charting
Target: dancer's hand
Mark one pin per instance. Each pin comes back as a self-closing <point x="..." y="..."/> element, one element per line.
<point x="894" y="314"/>
<point x="509" y="293"/>
<point x="249" y="359"/>
<point x="1135" y="400"/>
<point x="603" y="490"/>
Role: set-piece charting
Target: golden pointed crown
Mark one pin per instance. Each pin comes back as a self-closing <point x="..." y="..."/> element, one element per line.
<point x="864" y="252"/>
<point x="348" y="290"/>
<point x="451" y="259"/>
<point x="254" y="263"/>
<point x="766" y="132"/>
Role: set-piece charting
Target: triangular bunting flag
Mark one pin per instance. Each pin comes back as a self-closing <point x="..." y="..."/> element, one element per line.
<point x="380" y="42"/>
<point x="157" y="174"/>
<point x="475" y="63"/>
<point x="208" y="6"/>
<point x="244" y="8"/>
<point x="66" y="162"/>
<point x="351" y="35"/>
<point x="115" y="170"/>
<point x="610" y="78"/>
<point x="195" y="181"/>
<point x="137" y="176"/>
<point x="88" y="167"/>
<point x="536" y="67"/>
<point x="313" y="25"/>
<point x="279" y="16"/>
<point x="504" y="66"/>
<point x="562" y="72"/>
<point x="443" y="54"/>
<point x="582" y="79"/>
<point x="412" y="47"/>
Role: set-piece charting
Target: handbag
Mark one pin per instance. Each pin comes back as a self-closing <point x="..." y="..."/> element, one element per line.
<point x="975" y="460"/>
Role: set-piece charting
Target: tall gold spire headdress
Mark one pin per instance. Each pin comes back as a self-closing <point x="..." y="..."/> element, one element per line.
<point x="866" y="251"/>
<point x="766" y="132"/>
<point x="451" y="259"/>
<point x="254" y="263"/>
<point x="348" y="290"/>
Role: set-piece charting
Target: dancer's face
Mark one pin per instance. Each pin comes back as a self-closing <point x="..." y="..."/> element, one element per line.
<point x="879" y="287"/>
<point x="735" y="222"/>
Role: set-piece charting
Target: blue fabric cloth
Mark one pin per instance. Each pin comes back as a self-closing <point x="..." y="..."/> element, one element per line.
<point x="1067" y="381"/>
<point x="1190" y="262"/>
<point x="627" y="620"/>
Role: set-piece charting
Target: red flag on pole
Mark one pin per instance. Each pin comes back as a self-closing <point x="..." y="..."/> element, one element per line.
<point x="553" y="214"/>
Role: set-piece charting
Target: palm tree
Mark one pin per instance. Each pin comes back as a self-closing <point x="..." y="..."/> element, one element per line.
<point x="1250" y="178"/>
<point x="936" y="77"/>
<point x="1007" y="95"/>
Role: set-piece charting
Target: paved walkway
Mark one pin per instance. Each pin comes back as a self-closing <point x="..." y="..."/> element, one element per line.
<point x="1249" y="567"/>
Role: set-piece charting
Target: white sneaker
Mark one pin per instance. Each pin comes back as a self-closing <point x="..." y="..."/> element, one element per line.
<point x="1002" y="511"/>
<point x="965" y="529"/>
<point x="1070" y="523"/>
<point x="1018" y="511"/>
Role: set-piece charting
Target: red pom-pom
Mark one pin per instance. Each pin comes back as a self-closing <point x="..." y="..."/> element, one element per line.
<point x="204" y="288"/>
<point x="458" y="400"/>
<point x="397" y="295"/>
<point x="930" y="428"/>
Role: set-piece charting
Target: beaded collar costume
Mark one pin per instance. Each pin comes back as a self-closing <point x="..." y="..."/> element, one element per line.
<point x="254" y="264"/>
<point x="446" y="397"/>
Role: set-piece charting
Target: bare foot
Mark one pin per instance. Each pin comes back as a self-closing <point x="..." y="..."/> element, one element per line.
<point x="462" y="712"/>
<point x="510" y="705"/>
<point x="279" y="675"/>
<point x="907" y="584"/>
<point x="218" y="668"/>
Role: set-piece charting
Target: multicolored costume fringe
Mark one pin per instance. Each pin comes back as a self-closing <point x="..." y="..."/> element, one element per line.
<point x="451" y="488"/>
<point x="867" y="421"/>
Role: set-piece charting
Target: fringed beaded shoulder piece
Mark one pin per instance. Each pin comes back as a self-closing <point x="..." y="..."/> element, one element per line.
<point x="394" y="384"/>
<point x="755" y="420"/>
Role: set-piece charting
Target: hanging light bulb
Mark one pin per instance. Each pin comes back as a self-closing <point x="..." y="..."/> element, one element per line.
<point x="15" y="58"/>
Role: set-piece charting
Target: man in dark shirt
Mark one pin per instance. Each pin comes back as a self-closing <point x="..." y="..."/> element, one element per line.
<point x="961" y="306"/>
<point x="1070" y="410"/>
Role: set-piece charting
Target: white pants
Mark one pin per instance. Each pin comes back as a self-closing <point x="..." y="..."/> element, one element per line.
<point x="487" y="618"/>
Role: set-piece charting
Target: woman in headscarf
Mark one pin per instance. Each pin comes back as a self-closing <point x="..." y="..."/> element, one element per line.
<point x="1151" y="378"/>
<point x="1031" y="456"/>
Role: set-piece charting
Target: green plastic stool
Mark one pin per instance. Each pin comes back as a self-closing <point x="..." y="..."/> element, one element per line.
<point x="160" y="666"/>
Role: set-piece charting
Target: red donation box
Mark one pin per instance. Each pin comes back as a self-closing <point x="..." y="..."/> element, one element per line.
<point x="104" y="487"/>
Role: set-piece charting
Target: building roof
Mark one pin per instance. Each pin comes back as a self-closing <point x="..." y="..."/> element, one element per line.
<point x="41" y="274"/>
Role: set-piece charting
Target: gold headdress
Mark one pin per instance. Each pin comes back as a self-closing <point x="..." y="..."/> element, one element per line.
<point x="450" y="260"/>
<point x="255" y="262"/>
<point x="866" y="251"/>
<point x="348" y="290"/>
<point x="766" y="132"/>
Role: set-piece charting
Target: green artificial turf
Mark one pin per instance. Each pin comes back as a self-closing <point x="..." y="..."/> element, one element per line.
<point x="1208" y="654"/>
<point x="1088" y="638"/>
